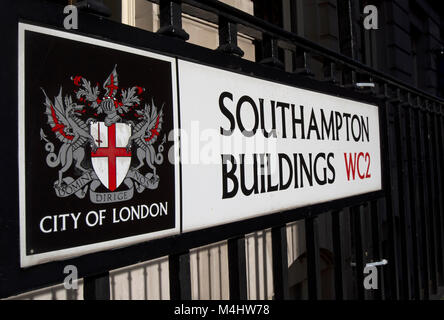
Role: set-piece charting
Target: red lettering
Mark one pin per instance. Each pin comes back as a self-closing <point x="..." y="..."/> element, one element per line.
<point x="368" y="175"/>
<point x="359" y="171"/>
<point x="350" y="166"/>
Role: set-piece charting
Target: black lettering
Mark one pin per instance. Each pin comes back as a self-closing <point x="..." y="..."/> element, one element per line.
<point x="273" y="119"/>
<point x="286" y="185"/>
<point x="324" y="179"/>
<point x="313" y="126"/>
<point x="226" y="113"/>
<point x="356" y="119"/>
<point x="338" y="118"/>
<point x="295" y="158"/>
<point x="246" y="133"/>
<point x="244" y="188"/>
<point x="347" y="117"/>
<point x="299" y="121"/>
<point x="262" y="172"/>
<point x="283" y="107"/>
<point x="229" y="175"/>
<point x="331" y="167"/>
<point x="327" y="129"/>
<point x="365" y="129"/>
<point x="307" y="170"/>
<point x="271" y="188"/>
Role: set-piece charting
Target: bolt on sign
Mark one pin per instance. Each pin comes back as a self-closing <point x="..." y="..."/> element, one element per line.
<point x="94" y="119"/>
<point x="100" y="167"/>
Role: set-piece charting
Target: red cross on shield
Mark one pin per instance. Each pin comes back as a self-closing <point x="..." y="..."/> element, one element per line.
<point x="111" y="161"/>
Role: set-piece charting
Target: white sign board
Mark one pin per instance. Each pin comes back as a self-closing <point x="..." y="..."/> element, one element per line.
<point x="251" y="147"/>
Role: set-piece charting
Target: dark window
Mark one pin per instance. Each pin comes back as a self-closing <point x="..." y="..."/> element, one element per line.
<point x="270" y="11"/>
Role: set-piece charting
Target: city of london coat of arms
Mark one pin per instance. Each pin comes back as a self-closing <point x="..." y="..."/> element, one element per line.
<point x="112" y="139"/>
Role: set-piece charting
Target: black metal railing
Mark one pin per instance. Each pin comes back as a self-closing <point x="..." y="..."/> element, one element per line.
<point x="407" y="223"/>
<point x="413" y="202"/>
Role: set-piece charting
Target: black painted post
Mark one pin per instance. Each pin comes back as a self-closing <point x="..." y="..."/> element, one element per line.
<point x="412" y="171"/>
<point x="237" y="269"/>
<point x="349" y="78"/>
<point x="228" y="37"/>
<point x="313" y="258"/>
<point x="403" y="197"/>
<point x="270" y="52"/>
<point x="376" y="244"/>
<point x="94" y="6"/>
<point x="355" y="218"/>
<point x="280" y="263"/>
<point x="179" y="274"/>
<point x="436" y="195"/>
<point x="302" y="63"/>
<point x="171" y="19"/>
<point x="337" y="252"/>
<point x="329" y="68"/>
<point x="392" y="279"/>
<point x="96" y="287"/>
<point x="422" y="196"/>
<point x="433" y="242"/>
<point x="439" y="181"/>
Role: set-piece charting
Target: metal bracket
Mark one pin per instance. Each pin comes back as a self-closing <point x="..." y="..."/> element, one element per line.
<point x="365" y="85"/>
<point x="383" y="262"/>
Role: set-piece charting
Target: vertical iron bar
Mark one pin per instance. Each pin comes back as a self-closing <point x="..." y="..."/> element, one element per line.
<point x="355" y="219"/>
<point x="313" y="258"/>
<point x="391" y="287"/>
<point x="237" y="269"/>
<point x="280" y="262"/>
<point x="376" y="244"/>
<point x="440" y="180"/>
<point x="270" y="52"/>
<point x="422" y="196"/>
<point x="414" y="201"/>
<point x="402" y="199"/>
<point x="94" y="6"/>
<point x="330" y="72"/>
<point x="437" y="201"/>
<point x="171" y="19"/>
<point x="430" y="203"/>
<point x="228" y="37"/>
<point x="349" y="78"/>
<point x="96" y="287"/>
<point x="337" y="252"/>
<point x="302" y="63"/>
<point x="179" y="274"/>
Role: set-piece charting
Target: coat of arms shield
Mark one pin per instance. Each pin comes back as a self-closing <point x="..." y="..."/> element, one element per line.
<point x="111" y="161"/>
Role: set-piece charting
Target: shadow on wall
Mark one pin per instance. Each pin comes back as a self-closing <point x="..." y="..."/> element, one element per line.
<point x="209" y="275"/>
<point x="258" y="255"/>
<point x="144" y="281"/>
<point x="53" y="293"/>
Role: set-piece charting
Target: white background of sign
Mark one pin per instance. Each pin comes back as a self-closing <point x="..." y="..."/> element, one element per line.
<point x="199" y="90"/>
